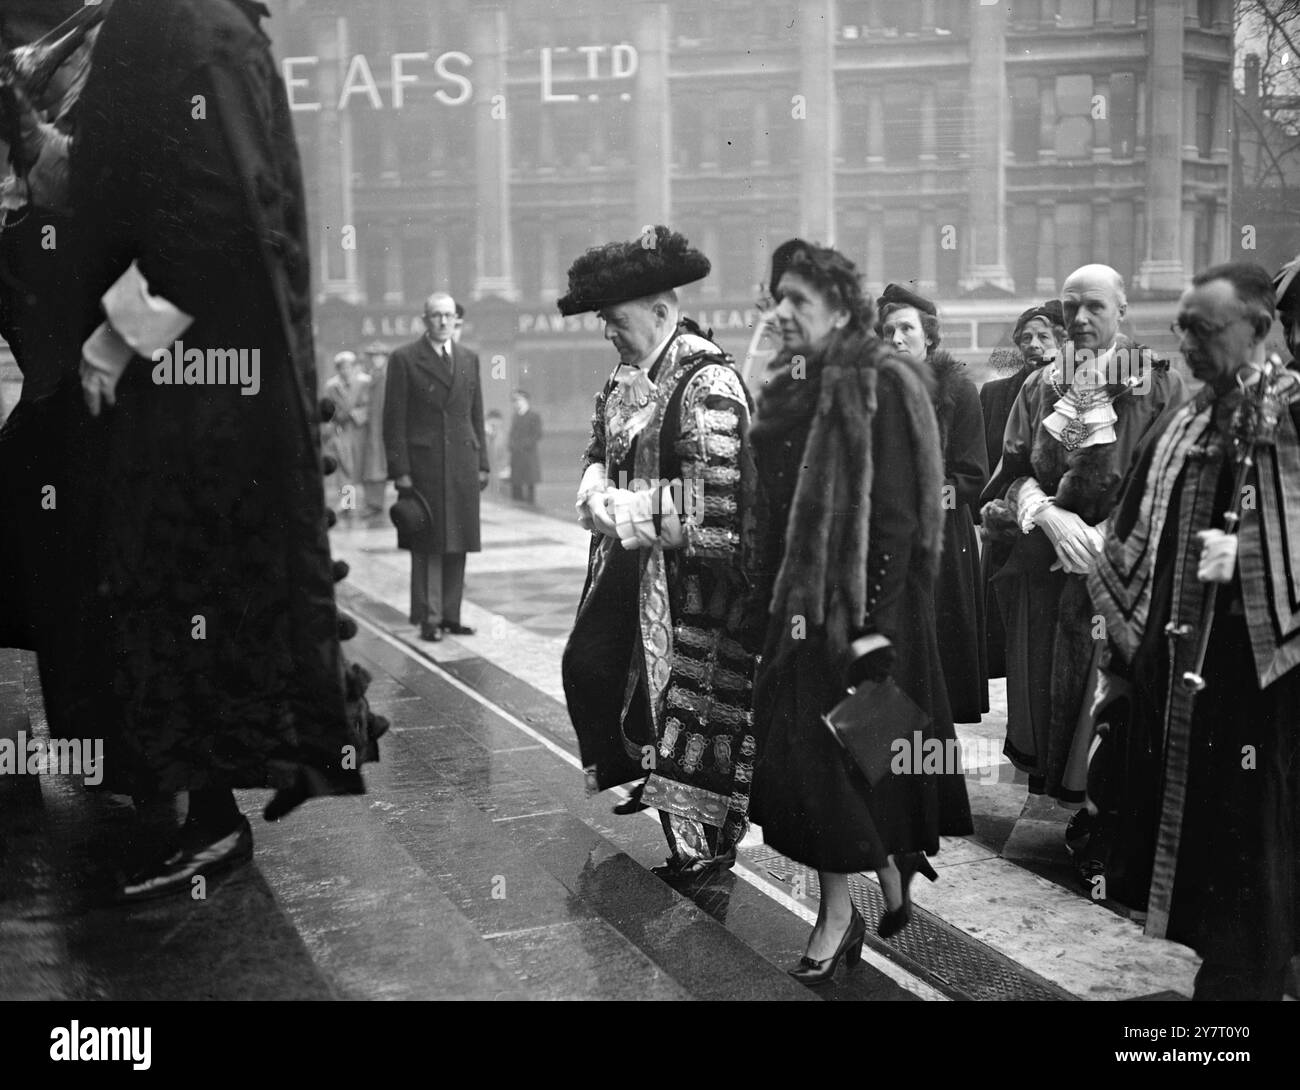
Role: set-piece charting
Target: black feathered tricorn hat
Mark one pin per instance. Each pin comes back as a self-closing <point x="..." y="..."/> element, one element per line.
<point x="896" y="293"/>
<point x="620" y="271"/>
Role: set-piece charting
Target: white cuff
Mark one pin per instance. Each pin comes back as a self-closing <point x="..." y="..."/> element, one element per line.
<point x="146" y="322"/>
<point x="671" y="533"/>
<point x="634" y="517"/>
<point x="1030" y="501"/>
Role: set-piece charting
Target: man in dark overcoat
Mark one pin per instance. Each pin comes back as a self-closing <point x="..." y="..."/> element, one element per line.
<point x="433" y="434"/>
<point x="206" y="634"/>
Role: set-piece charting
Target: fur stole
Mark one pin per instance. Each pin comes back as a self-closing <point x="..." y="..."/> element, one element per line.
<point x="823" y="572"/>
<point x="945" y="370"/>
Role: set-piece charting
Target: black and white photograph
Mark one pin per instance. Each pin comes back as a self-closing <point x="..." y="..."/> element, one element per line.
<point x="618" y="500"/>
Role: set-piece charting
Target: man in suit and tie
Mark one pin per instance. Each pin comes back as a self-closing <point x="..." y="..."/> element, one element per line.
<point x="434" y="438"/>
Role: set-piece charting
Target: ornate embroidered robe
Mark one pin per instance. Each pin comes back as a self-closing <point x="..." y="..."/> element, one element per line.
<point x="655" y="678"/>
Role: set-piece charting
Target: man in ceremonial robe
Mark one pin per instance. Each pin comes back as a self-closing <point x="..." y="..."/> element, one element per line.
<point x="1210" y="801"/>
<point x="654" y="675"/>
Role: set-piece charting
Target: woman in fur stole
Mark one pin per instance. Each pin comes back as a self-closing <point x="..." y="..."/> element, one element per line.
<point x="843" y="551"/>
<point x="910" y="324"/>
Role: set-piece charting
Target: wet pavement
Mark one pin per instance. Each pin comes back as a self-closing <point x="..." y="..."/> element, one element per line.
<point x="477" y="867"/>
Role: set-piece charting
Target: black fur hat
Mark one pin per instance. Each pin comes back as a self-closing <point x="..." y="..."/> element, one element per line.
<point x="1052" y="311"/>
<point x="781" y="260"/>
<point x="620" y="271"/>
<point x="896" y="293"/>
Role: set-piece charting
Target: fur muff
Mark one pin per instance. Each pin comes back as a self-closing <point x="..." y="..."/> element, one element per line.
<point x="823" y="574"/>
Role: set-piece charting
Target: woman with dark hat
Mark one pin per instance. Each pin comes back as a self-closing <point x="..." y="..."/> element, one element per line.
<point x="910" y="323"/>
<point x="847" y="547"/>
<point x="1036" y="341"/>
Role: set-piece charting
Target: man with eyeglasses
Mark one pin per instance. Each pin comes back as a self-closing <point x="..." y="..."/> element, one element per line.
<point x="437" y="450"/>
<point x="1069" y="439"/>
<point x="1210" y="805"/>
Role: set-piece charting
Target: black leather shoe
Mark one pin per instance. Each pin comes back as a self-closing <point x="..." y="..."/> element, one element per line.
<point x="812" y="973"/>
<point x="174" y="873"/>
<point x="430" y="632"/>
<point x="909" y="866"/>
<point x="632" y="804"/>
<point x="457" y="629"/>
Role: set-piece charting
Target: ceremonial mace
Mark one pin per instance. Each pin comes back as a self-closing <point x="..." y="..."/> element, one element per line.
<point x="1266" y="391"/>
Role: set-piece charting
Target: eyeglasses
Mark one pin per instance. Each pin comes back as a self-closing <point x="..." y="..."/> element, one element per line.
<point x="1196" y="328"/>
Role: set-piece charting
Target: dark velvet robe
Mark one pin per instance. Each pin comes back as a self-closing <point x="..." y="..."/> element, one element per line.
<point x="1236" y="889"/>
<point x="202" y="621"/>
<point x="958" y="594"/>
<point x="996" y="398"/>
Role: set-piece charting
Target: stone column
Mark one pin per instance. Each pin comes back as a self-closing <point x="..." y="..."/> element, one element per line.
<point x="334" y="161"/>
<point x="493" y="246"/>
<point x="875" y="271"/>
<point x="875" y="124"/>
<point x="987" y="266"/>
<point x="817" y="140"/>
<point x="1163" y="262"/>
<point x="652" y="153"/>
<point x="928" y="282"/>
<point x="552" y="278"/>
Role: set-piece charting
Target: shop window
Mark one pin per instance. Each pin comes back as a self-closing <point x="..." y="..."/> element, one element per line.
<point x="1074" y="128"/>
<point x="1026" y="118"/>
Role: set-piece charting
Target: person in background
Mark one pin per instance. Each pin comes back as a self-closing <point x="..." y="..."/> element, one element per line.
<point x="498" y="446"/>
<point x="909" y="323"/>
<point x="1070" y="438"/>
<point x="1038" y="335"/>
<point x="459" y="327"/>
<point x="1208" y="829"/>
<point x="433" y="435"/>
<point x="850" y="526"/>
<point x="525" y="434"/>
<point x="349" y="390"/>
<point x="374" y="462"/>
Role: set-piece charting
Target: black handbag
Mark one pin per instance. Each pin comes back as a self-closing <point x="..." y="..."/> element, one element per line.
<point x="872" y="719"/>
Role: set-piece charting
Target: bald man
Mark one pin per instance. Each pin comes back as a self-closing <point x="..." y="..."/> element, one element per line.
<point x="436" y="447"/>
<point x="1069" y="440"/>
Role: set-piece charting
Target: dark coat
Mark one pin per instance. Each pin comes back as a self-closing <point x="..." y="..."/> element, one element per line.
<point x="811" y="801"/>
<point x="433" y="433"/>
<point x="996" y="398"/>
<point x="958" y="593"/>
<point x="525" y="434"/>
<point x="206" y="637"/>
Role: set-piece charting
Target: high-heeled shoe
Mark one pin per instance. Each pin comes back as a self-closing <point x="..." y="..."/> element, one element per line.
<point x="909" y="866"/>
<point x="812" y="973"/>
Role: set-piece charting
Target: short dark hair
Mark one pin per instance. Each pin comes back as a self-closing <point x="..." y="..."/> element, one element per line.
<point x="836" y="279"/>
<point x="929" y="323"/>
<point x="1253" y="286"/>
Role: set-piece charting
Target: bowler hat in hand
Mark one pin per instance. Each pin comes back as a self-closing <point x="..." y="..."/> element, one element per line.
<point x="412" y="517"/>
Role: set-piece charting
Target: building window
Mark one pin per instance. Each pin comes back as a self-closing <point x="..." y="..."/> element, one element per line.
<point x="688" y="135"/>
<point x="1206" y="94"/>
<point x="1073" y="237"/>
<point x="947" y="263"/>
<point x="1026" y="118"/>
<point x="736" y="130"/>
<point x="902" y="124"/>
<point x="901" y="250"/>
<point x="1205" y="12"/>
<point x="1027" y="13"/>
<point x="854" y="124"/>
<point x="1022" y="247"/>
<point x="1074" y="129"/>
<point x="1203" y="241"/>
<point x="1123" y="115"/>
<point x="1075" y="13"/>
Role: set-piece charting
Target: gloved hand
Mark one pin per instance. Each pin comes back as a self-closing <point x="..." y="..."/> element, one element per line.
<point x="1076" y="543"/>
<point x="104" y="357"/>
<point x="871" y="658"/>
<point x="1218" y="556"/>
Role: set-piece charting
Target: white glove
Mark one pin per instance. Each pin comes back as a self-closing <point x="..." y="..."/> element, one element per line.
<point x="104" y="357"/>
<point x="1218" y="556"/>
<point x="1076" y="543"/>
